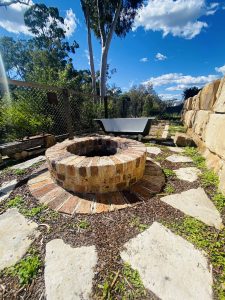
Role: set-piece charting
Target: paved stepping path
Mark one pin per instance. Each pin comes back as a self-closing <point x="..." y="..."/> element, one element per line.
<point x="6" y="189"/>
<point x="197" y="204"/>
<point x="27" y="164"/>
<point x="188" y="174"/>
<point x="179" y="159"/>
<point x="69" y="271"/>
<point x="169" y="265"/>
<point x="16" y="236"/>
<point x="176" y="149"/>
<point x="153" y="150"/>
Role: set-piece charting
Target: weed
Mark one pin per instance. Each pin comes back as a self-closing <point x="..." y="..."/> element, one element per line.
<point x="210" y="241"/>
<point x="19" y="172"/>
<point x="15" y="202"/>
<point x="209" y="178"/>
<point x="169" y="189"/>
<point x="173" y="129"/>
<point x="33" y="211"/>
<point x="169" y="172"/>
<point x="126" y="283"/>
<point x="83" y="224"/>
<point x="135" y="222"/>
<point x="219" y="200"/>
<point x="26" y="269"/>
<point x="198" y="160"/>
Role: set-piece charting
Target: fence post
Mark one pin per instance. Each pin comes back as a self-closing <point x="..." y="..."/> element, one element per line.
<point x="66" y="106"/>
<point x="106" y="106"/>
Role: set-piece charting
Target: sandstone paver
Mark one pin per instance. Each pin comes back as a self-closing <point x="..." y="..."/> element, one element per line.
<point x="176" y="149"/>
<point x="169" y="265"/>
<point x="6" y="189"/>
<point x="188" y="174"/>
<point x="69" y="271"/>
<point x="179" y="159"/>
<point x="197" y="204"/>
<point x="154" y="150"/>
<point x="27" y="164"/>
<point x="16" y="236"/>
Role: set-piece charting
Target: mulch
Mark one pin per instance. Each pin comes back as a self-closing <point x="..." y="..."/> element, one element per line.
<point x="107" y="231"/>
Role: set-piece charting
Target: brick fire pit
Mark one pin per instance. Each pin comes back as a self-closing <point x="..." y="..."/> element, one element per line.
<point x="97" y="164"/>
<point x="96" y="174"/>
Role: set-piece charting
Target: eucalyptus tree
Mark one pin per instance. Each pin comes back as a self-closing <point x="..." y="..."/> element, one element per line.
<point x="106" y="17"/>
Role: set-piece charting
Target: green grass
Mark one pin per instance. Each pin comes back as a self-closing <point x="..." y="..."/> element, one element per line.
<point x="83" y="224"/>
<point x="19" y="172"/>
<point x="209" y="178"/>
<point x="169" y="172"/>
<point x="18" y="202"/>
<point x="198" y="160"/>
<point x="135" y="222"/>
<point x="126" y="283"/>
<point x="177" y="128"/>
<point x="169" y="189"/>
<point x="219" y="200"/>
<point x="26" y="269"/>
<point x="209" y="240"/>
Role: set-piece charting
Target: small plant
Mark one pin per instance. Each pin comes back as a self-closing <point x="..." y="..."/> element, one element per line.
<point x="219" y="200"/>
<point x="125" y="283"/>
<point x="19" y="172"/>
<point x="135" y="222"/>
<point x="209" y="178"/>
<point x="169" y="172"/>
<point x="198" y="160"/>
<point x="15" y="202"/>
<point x="33" y="211"/>
<point x="83" y="224"/>
<point x="26" y="269"/>
<point x="169" y="189"/>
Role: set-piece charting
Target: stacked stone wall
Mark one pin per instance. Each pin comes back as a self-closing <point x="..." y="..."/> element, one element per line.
<point x="204" y="116"/>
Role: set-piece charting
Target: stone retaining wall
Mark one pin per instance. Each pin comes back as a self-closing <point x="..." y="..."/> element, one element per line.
<point x="204" y="116"/>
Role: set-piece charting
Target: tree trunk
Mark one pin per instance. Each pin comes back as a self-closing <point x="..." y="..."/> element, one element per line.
<point x="91" y="58"/>
<point x="103" y="71"/>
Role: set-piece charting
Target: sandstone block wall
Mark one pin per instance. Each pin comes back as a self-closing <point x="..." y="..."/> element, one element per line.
<point x="204" y="116"/>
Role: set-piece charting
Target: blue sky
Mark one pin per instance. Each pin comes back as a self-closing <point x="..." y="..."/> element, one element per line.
<point x="174" y="44"/>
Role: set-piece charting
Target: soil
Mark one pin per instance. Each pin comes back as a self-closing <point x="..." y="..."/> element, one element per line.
<point x="107" y="231"/>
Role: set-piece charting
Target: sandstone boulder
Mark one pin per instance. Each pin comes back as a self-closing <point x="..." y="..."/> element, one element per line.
<point x="183" y="140"/>
<point x="215" y="134"/>
<point x="219" y="105"/>
<point x="196" y="102"/>
<point x="189" y="118"/>
<point x="200" y="121"/>
<point x="208" y="95"/>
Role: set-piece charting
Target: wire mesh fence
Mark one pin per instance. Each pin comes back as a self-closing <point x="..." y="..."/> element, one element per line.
<point x="30" y="109"/>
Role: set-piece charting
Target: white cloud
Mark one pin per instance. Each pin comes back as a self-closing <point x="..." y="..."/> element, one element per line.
<point x="144" y="59"/>
<point x="170" y="96"/>
<point x="180" y="79"/>
<point x="220" y="69"/>
<point x="12" y="19"/>
<point x="179" y="18"/>
<point x="160" y="56"/>
<point x="70" y="22"/>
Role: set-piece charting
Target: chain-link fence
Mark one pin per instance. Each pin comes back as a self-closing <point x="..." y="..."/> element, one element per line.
<point x="30" y="109"/>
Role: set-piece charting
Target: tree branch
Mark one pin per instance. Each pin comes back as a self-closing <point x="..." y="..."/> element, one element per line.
<point x="101" y="23"/>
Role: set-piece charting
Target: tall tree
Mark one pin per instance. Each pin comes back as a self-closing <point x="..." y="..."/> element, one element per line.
<point x="106" y="18"/>
<point x="190" y="92"/>
<point x="87" y="8"/>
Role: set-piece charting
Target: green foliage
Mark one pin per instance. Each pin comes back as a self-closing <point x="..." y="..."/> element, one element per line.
<point x="219" y="200"/>
<point x="83" y="224"/>
<point x="135" y="222"/>
<point x="19" y="172"/>
<point x="15" y="202"/>
<point x="209" y="178"/>
<point x="210" y="241"/>
<point x="169" y="172"/>
<point x="169" y="189"/>
<point x="190" y="92"/>
<point x="26" y="269"/>
<point x="198" y="160"/>
<point x="177" y="128"/>
<point x="125" y="283"/>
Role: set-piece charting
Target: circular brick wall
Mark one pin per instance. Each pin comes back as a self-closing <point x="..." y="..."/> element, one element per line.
<point x="96" y="164"/>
